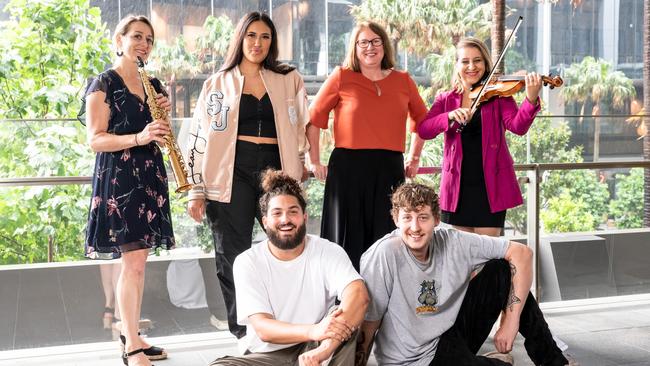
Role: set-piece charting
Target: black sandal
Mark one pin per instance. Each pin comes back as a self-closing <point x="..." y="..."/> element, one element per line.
<point x="125" y="355"/>
<point x="153" y="353"/>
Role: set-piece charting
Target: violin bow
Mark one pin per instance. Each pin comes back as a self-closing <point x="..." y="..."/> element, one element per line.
<point x="482" y="91"/>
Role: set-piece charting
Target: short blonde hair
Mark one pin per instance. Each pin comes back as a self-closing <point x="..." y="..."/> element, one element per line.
<point x="351" y="59"/>
<point x="482" y="48"/>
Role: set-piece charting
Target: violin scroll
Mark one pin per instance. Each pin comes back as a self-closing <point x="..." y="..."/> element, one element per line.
<point x="552" y="81"/>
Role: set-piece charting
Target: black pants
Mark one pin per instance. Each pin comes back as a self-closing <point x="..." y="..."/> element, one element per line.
<point x="356" y="203"/>
<point x="232" y="223"/>
<point x="485" y="298"/>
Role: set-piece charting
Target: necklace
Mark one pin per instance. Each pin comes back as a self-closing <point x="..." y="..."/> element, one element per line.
<point x="377" y="87"/>
<point x="384" y="74"/>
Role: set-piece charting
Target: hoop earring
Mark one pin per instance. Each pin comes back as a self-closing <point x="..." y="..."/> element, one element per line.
<point x="119" y="53"/>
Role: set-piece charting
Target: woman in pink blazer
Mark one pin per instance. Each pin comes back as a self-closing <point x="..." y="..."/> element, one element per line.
<point x="478" y="178"/>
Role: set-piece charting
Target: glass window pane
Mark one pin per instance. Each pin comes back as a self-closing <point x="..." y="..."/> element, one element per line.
<point x="339" y="27"/>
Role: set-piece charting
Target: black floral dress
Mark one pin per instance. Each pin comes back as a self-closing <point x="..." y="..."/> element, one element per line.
<point x="129" y="208"/>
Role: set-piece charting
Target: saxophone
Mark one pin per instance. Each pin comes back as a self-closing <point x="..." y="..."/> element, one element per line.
<point x="170" y="147"/>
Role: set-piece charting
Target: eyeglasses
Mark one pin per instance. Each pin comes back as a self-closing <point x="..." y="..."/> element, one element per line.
<point x="364" y="43"/>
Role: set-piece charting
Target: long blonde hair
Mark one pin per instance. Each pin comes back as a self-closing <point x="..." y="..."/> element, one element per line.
<point x="351" y="59"/>
<point x="456" y="84"/>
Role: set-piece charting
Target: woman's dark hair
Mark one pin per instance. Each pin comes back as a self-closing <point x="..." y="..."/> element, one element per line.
<point x="236" y="54"/>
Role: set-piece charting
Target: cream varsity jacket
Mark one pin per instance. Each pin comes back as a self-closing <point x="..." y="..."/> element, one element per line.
<point x="210" y="150"/>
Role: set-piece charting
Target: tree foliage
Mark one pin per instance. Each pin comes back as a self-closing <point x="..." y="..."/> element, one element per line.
<point x="48" y="50"/>
<point x="425" y="26"/>
<point x="33" y="217"/>
<point x="627" y="207"/>
<point x="594" y="80"/>
<point x="565" y="213"/>
<point x="549" y="143"/>
<point x="213" y="44"/>
<point x="175" y="61"/>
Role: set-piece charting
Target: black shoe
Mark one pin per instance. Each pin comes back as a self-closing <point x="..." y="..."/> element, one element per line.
<point x="125" y="355"/>
<point x="153" y="353"/>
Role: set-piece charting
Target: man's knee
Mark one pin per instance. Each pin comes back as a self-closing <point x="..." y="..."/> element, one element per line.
<point x="499" y="268"/>
<point x="223" y="361"/>
<point x="233" y="361"/>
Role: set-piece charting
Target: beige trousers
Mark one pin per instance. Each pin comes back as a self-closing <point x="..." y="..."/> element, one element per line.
<point x="343" y="356"/>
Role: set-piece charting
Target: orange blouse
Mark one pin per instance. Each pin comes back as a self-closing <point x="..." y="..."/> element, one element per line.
<point x="362" y="118"/>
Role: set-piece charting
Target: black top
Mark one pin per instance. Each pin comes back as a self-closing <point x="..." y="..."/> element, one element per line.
<point x="472" y="141"/>
<point x="256" y="117"/>
<point x="473" y="208"/>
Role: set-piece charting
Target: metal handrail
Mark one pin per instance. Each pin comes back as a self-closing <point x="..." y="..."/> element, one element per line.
<point x="16" y="120"/>
<point x="43" y="181"/>
<point x="55" y="181"/>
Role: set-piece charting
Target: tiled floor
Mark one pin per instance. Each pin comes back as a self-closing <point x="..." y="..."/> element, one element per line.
<point x="597" y="335"/>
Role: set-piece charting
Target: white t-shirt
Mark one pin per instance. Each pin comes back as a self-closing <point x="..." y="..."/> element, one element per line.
<point x="300" y="291"/>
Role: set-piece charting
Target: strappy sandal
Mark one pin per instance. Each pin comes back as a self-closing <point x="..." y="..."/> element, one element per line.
<point x="153" y="353"/>
<point x="126" y="355"/>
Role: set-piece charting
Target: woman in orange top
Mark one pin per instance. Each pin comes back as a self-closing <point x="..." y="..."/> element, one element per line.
<point x="371" y="103"/>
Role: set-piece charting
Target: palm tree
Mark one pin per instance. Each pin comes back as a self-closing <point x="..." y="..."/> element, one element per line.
<point x="400" y="18"/>
<point x="213" y="44"/>
<point x="498" y="31"/>
<point x="593" y="81"/>
<point x="646" y="106"/>
<point x="426" y="26"/>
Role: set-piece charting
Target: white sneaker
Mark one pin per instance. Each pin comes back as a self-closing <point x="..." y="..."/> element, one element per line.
<point x="505" y="357"/>
<point x="219" y="324"/>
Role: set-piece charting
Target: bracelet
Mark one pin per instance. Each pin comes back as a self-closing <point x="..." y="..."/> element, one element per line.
<point x="415" y="158"/>
<point x="136" y="140"/>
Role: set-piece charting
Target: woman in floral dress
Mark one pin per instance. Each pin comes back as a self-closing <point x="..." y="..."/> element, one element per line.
<point x="129" y="211"/>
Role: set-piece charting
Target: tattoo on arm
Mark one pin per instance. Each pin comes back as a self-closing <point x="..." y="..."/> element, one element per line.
<point x="512" y="298"/>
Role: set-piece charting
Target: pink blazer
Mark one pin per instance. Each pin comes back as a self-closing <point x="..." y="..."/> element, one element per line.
<point x="497" y="116"/>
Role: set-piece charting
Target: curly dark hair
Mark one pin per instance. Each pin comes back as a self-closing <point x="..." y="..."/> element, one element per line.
<point x="413" y="196"/>
<point x="276" y="183"/>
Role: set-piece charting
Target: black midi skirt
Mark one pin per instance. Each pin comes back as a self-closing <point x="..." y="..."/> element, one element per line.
<point x="356" y="204"/>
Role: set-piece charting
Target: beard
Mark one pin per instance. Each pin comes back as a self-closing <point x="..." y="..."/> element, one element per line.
<point x="287" y="243"/>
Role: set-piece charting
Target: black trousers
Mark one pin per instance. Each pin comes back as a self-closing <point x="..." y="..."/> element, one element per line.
<point x="486" y="296"/>
<point x="356" y="203"/>
<point x="232" y="223"/>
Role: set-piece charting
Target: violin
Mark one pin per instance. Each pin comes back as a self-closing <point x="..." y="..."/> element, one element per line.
<point x="509" y="85"/>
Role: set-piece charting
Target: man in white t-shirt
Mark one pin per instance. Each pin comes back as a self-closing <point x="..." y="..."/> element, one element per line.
<point x="287" y="288"/>
<point x="427" y="310"/>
